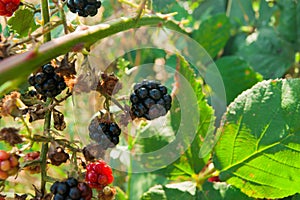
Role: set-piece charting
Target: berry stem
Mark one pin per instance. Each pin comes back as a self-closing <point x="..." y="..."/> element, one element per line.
<point x="46" y="18"/>
<point x="45" y="148"/>
<point x="29" y="61"/>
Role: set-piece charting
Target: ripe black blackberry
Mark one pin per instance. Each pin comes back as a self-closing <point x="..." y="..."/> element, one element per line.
<point x="104" y="132"/>
<point x="71" y="189"/>
<point x="84" y="8"/>
<point x="47" y="82"/>
<point x="150" y="100"/>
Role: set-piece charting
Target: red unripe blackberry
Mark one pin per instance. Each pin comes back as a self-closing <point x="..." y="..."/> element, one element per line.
<point x="150" y="100"/>
<point x="47" y="82"/>
<point x="84" y="8"/>
<point x="8" y="7"/>
<point x="105" y="133"/>
<point x="98" y="174"/>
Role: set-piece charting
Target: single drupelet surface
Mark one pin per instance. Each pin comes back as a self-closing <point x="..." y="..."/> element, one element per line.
<point x="8" y="7"/>
<point x="98" y="174"/>
<point x="150" y="100"/>
<point x="47" y="83"/>
<point x="84" y="8"/>
<point x="71" y="189"/>
<point x="104" y="132"/>
<point x="9" y="164"/>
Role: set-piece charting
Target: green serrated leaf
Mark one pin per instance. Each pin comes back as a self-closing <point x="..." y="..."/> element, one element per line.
<point x="269" y="54"/>
<point x="289" y="23"/>
<point x="24" y="26"/>
<point x="258" y="151"/>
<point x="237" y="76"/>
<point x="213" y="33"/>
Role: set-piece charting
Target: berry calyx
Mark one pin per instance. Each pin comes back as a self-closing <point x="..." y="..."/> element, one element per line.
<point x="98" y="174"/>
<point x="84" y="8"/>
<point x="8" y="7"/>
<point x="150" y="100"/>
<point x="31" y="157"/>
<point x="47" y="83"/>
<point x="58" y="156"/>
<point x="71" y="189"/>
<point x="104" y="132"/>
<point x="9" y="164"/>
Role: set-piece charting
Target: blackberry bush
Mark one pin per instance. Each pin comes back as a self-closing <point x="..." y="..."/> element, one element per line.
<point x="150" y="100"/>
<point x="47" y="83"/>
<point x="98" y="174"/>
<point x="71" y="189"/>
<point x="104" y="132"/>
<point x="84" y="8"/>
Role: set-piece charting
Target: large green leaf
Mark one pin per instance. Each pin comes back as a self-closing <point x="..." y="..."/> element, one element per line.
<point x="213" y="34"/>
<point x="237" y="75"/>
<point x="259" y="147"/>
<point x="289" y="21"/>
<point x="23" y="22"/>
<point x="269" y="54"/>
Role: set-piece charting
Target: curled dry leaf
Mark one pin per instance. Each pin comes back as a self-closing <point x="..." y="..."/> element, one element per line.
<point x="59" y="121"/>
<point x="11" y="136"/>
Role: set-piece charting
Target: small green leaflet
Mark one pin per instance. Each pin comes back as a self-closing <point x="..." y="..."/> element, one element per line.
<point x="23" y="22"/>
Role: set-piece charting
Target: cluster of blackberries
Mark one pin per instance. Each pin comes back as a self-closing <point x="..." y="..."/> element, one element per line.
<point x="47" y="82"/>
<point x="150" y="100"/>
<point x="84" y="8"/>
<point x="71" y="189"/>
<point x="105" y="133"/>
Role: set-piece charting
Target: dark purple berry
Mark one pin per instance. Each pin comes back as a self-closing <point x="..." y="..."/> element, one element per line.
<point x="61" y="86"/>
<point x="31" y="80"/>
<point x="142" y="93"/>
<point x="155" y="94"/>
<point x="74" y="193"/>
<point x="162" y="89"/>
<point x="62" y="188"/>
<point x="48" y="69"/>
<point x="59" y="197"/>
<point x="134" y="98"/>
<point x="53" y="188"/>
<point x="40" y="77"/>
<point x="72" y="182"/>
